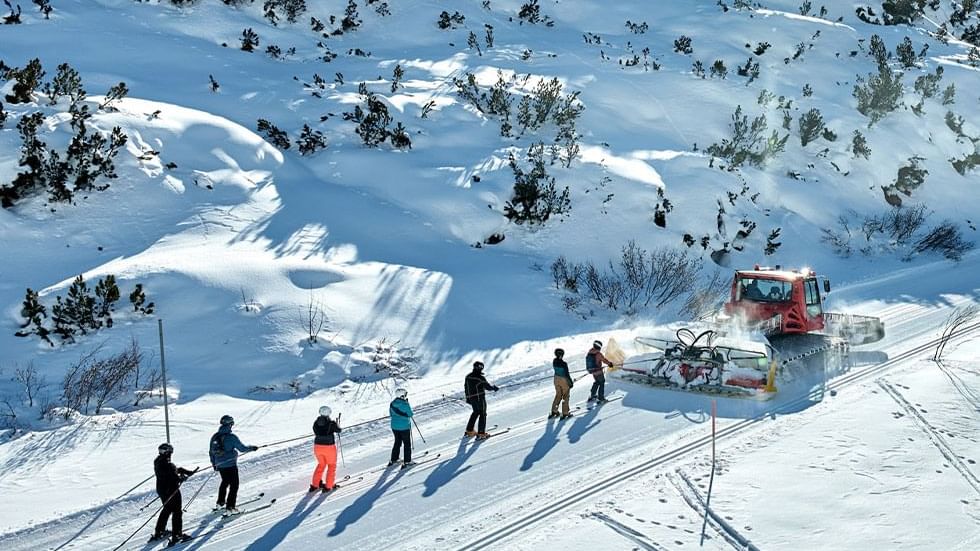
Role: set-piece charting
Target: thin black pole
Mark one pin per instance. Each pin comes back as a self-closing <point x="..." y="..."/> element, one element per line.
<point x="163" y="371"/>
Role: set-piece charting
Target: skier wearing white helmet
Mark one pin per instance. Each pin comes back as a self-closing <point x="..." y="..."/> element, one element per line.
<point x="325" y="451"/>
<point x="401" y="414"/>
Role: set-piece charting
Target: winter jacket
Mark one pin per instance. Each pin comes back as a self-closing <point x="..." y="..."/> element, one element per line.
<point x="324" y="429"/>
<point x="225" y="446"/>
<point x="401" y="414"/>
<point x="475" y="387"/>
<point x="594" y="360"/>
<point x="169" y="476"/>
<point x="561" y="370"/>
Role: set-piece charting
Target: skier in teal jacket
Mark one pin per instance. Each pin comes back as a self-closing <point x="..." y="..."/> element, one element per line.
<point x="401" y="425"/>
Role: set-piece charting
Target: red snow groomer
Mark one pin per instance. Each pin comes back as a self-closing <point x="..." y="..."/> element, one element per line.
<point x="773" y="317"/>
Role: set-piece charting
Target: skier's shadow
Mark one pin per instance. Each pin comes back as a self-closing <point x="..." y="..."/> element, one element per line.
<point x="278" y="531"/>
<point x="364" y="502"/>
<point x="449" y="469"/>
<point x="548" y="440"/>
<point x="583" y="424"/>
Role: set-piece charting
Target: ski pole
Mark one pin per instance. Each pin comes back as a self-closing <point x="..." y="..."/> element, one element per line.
<point x="420" y="430"/>
<point x="339" y="449"/>
<point x="203" y="484"/>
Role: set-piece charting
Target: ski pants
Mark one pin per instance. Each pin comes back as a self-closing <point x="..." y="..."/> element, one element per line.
<point x="562" y="392"/>
<point x="171" y="509"/>
<point x="599" y="385"/>
<point x="326" y="459"/>
<point x="479" y="412"/>
<point x="402" y="438"/>
<point x="229" y="484"/>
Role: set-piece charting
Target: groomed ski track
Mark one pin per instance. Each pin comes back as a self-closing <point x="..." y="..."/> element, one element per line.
<point x="533" y="472"/>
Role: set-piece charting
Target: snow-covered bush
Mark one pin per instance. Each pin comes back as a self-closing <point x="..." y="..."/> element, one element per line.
<point x="535" y="197"/>
<point x="93" y="382"/>
<point x="909" y="178"/>
<point x="811" y="126"/>
<point x="277" y="137"/>
<point x="27" y="80"/>
<point x="250" y="40"/>
<point x="682" y="45"/>
<point x="447" y="21"/>
<point x="530" y="12"/>
<point x="748" y="142"/>
<point x="946" y="239"/>
<point x="899" y="230"/>
<point x="641" y="278"/>
<point x="310" y="141"/>
<point x="138" y="299"/>
<point x="878" y="94"/>
<point x="706" y="298"/>
<point x="859" y="145"/>
<point x="291" y="10"/>
<point x="373" y="121"/>
<point x="14" y="17"/>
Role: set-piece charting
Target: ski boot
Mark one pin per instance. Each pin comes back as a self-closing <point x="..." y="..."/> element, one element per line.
<point x="482" y="435"/>
<point x="231" y="512"/>
<point x="217" y="507"/>
<point x="408" y="464"/>
<point x="392" y="463"/>
<point x="470" y="433"/>
<point x="160" y="535"/>
<point x="313" y="488"/>
<point x="552" y="415"/>
<point x="565" y="416"/>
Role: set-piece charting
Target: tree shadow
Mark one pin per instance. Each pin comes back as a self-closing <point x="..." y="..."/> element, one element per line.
<point x="449" y="469"/>
<point x="584" y="424"/>
<point x="364" y="502"/>
<point x="278" y="531"/>
<point x="547" y="441"/>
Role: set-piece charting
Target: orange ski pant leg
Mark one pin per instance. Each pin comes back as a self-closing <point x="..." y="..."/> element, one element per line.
<point x="326" y="458"/>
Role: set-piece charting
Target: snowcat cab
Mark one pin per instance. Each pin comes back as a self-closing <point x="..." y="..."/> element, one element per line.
<point x="788" y="302"/>
<point x="783" y="301"/>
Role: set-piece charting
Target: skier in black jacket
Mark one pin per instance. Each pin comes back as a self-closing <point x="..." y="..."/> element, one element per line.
<point x="169" y="479"/>
<point x="475" y="387"/>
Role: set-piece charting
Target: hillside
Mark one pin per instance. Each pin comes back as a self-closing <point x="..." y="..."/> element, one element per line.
<point x="358" y="201"/>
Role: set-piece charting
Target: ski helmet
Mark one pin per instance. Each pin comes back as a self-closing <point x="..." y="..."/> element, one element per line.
<point x="165" y="448"/>
<point x="325" y="411"/>
<point x="227" y="420"/>
<point x="477" y="366"/>
<point x="559" y="352"/>
<point x="401" y="393"/>
<point x="596" y="344"/>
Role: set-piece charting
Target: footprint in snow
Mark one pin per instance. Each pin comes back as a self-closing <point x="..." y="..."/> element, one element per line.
<point x="749" y="528"/>
<point x="662" y="500"/>
<point x="728" y="518"/>
<point x="672" y="527"/>
<point x="965" y="502"/>
<point x="678" y="542"/>
<point x="971" y="462"/>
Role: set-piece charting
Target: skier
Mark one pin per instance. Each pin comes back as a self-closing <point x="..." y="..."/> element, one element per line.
<point x="563" y="386"/>
<point x="593" y="364"/>
<point x="325" y="450"/>
<point x="401" y="425"/>
<point x="169" y="479"/>
<point x="475" y="387"/>
<point x="224" y="458"/>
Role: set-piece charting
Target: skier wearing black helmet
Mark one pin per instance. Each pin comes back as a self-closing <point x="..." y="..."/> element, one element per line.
<point x="169" y="479"/>
<point x="594" y="361"/>
<point x="224" y="459"/>
<point x="563" y="386"/>
<point x="475" y="387"/>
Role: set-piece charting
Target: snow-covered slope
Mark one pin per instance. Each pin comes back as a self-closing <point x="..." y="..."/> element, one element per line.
<point x="234" y="239"/>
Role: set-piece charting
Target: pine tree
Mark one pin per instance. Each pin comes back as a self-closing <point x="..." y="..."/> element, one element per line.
<point x="107" y="293"/>
<point x="34" y="313"/>
<point x="76" y="312"/>
<point x="138" y="299"/>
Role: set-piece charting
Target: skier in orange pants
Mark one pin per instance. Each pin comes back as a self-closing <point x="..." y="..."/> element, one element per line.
<point x="325" y="450"/>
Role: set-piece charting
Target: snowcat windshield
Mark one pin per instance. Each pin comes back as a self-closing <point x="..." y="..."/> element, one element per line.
<point x="764" y="290"/>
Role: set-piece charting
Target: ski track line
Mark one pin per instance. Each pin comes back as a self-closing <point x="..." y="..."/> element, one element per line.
<point x="635" y="536"/>
<point x="936" y="438"/>
<point x="697" y="505"/>
<point x="389" y="495"/>
<point x="741" y="542"/>
<point x="568" y="499"/>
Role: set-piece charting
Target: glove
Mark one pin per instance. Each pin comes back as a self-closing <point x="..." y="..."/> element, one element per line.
<point x="253" y="448"/>
<point x="496" y="388"/>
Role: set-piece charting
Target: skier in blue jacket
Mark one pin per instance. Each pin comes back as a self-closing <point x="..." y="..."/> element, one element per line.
<point x="401" y="425"/>
<point x="224" y="458"/>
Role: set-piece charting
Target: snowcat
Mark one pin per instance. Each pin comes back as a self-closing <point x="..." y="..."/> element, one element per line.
<point x="774" y="317"/>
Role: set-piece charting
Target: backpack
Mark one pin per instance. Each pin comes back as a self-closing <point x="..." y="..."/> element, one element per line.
<point x="590" y="362"/>
<point x="218" y="445"/>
